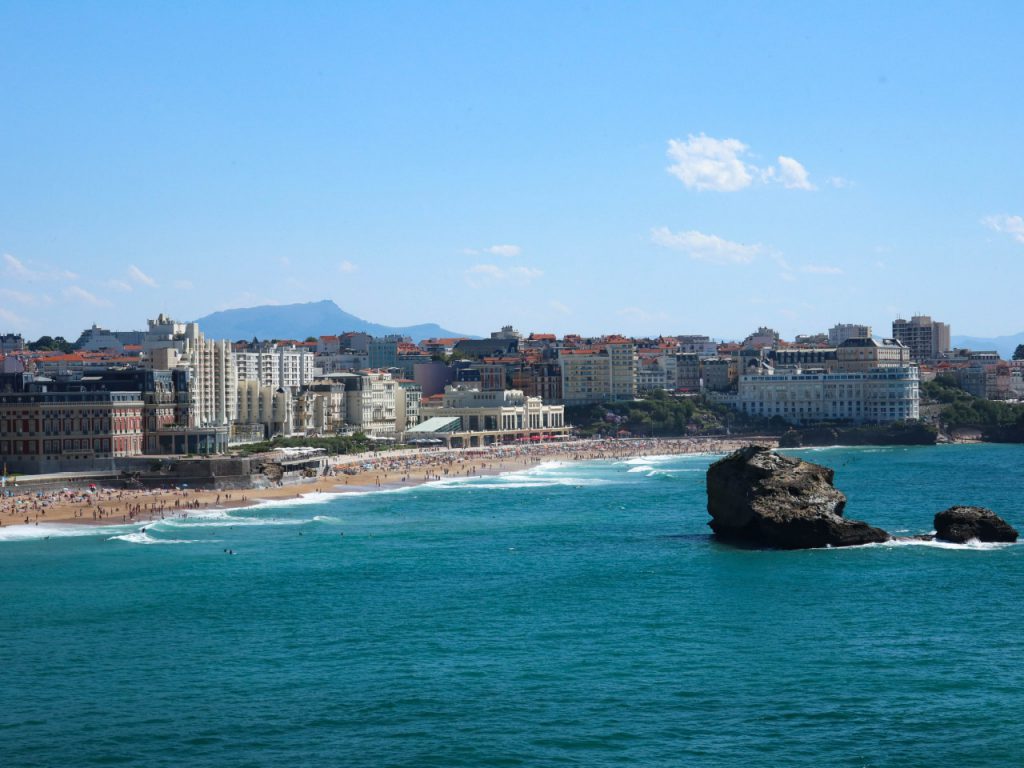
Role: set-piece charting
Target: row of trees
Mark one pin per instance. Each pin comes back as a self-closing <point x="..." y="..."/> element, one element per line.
<point x="52" y="344"/>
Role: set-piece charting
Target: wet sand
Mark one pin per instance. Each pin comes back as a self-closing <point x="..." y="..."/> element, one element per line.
<point x="362" y="472"/>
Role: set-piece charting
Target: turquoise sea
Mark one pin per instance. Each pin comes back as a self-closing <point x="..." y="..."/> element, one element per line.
<point x="572" y="615"/>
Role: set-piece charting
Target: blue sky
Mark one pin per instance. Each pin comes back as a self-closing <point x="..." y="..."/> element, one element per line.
<point x="593" y="168"/>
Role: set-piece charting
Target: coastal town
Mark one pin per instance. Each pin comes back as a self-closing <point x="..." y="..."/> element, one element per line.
<point x="113" y="400"/>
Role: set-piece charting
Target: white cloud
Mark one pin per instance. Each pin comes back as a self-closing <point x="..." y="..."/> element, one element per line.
<point x="559" y="307"/>
<point x="347" y="267"/>
<point x="793" y="175"/>
<point x="503" y="250"/>
<point x="839" y="182"/>
<point x="17" y="296"/>
<point x="710" y="248"/>
<point x="19" y="269"/>
<point x="119" y="285"/>
<point x="184" y="285"/>
<point x="482" y="274"/>
<point x="10" y="318"/>
<point x="789" y="271"/>
<point x="77" y="292"/>
<point x="141" y="277"/>
<point x="635" y="313"/>
<point x="494" y="250"/>
<point x="702" y="162"/>
<point x="15" y="266"/>
<point x="1009" y="225"/>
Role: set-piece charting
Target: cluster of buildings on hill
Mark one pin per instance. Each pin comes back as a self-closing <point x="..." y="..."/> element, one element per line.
<point x="170" y="390"/>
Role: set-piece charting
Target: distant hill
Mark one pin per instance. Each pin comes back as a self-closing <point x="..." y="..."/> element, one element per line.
<point x="1004" y="345"/>
<point x="300" y="321"/>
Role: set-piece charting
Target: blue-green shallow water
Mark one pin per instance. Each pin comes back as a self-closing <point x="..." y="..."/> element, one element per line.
<point x="574" y="615"/>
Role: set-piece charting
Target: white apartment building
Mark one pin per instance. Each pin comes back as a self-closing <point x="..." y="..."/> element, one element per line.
<point x="623" y="369"/>
<point x="868" y="381"/>
<point x="681" y="372"/>
<point x="599" y="375"/>
<point x="370" y="401"/>
<point x="876" y="396"/>
<point x="343" y="361"/>
<point x="324" y="403"/>
<point x="702" y="346"/>
<point x="271" y="407"/>
<point x="864" y="354"/>
<point x="278" y="366"/>
<point x="408" y="402"/>
<point x="652" y="373"/>
<point x="840" y="332"/>
<point x="213" y="373"/>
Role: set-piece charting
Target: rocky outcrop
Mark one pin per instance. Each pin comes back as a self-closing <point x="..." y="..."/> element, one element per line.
<point x="759" y="497"/>
<point x="898" y="433"/>
<point x="960" y="524"/>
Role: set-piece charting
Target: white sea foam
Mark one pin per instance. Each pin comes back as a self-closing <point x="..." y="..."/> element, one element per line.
<point x="326" y="519"/>
<point x="54" y="531"/>
<point x="316" y="497"/>
<point x="372" y="491"/>
<point x="641" y="460"/>
<point x="514" y="481"/>
<point x="215" y="518"/>
<point x="972" y="545"/>
<point x="141" y="537"/>
<point x="543" y="467"/>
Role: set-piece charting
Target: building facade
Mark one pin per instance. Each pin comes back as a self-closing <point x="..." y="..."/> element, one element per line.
<point x="63" y="431"/>
<point x="507" y="414"/>
<point x="840" y="332"/>
<point x="926" y="339"/>
<point x="877" y="396"/>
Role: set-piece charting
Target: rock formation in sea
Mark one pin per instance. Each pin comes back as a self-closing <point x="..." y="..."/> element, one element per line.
<point x="959" y="524"/>
<point x="762" y="498"/>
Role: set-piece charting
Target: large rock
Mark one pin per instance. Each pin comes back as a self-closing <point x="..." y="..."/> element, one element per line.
<point x="959" y="524"/>
<point x="763" y="498"/>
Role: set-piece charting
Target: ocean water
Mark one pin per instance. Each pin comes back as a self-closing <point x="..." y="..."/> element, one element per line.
<point x="572" y="615"/>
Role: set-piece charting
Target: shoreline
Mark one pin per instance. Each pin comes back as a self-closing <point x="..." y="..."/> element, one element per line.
<point x="377" y="472"/>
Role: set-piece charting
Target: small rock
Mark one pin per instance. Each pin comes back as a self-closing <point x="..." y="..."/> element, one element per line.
<point x="960" y="524"/>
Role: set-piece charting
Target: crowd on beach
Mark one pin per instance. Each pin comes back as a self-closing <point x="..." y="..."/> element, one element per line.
<point x="381" y="469"/>
<point x="106" y="505"/>
<point x="436" y="464"/>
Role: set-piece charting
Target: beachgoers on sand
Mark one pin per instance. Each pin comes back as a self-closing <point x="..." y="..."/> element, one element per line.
<point x="379" y="470"/>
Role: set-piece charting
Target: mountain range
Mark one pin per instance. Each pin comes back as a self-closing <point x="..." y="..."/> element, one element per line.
<point x="300" y="321"/>
<point x="1004" y="345"/>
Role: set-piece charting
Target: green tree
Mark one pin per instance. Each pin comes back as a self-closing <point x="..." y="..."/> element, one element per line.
<point x="51" y="344"/>
<point x="1018" y="353"/>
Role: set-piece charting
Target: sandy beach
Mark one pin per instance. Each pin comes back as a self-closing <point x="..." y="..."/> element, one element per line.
<point x="384" y="470"/>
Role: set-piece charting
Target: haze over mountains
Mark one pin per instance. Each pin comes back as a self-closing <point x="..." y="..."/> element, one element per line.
<point x="1004" y="345"/>
<point x="300" y="321"/>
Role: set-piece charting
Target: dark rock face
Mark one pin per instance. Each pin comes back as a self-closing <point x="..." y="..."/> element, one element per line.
<point x="960" y="524"/>
<point x="766" y="499"/>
